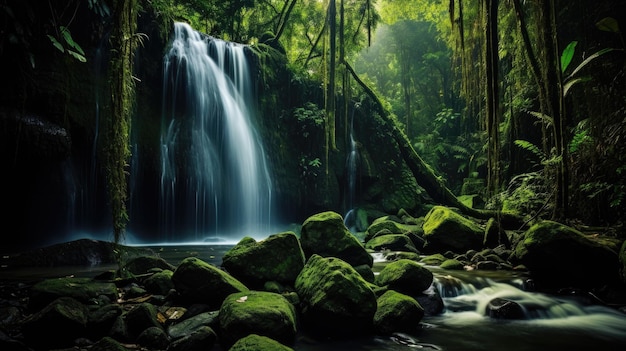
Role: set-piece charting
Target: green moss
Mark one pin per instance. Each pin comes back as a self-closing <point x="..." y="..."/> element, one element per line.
<point x="258" y="343"/>
<point x="440" y="214"/>
<point x="452" y="264"/>
<point x="433" y="260"/>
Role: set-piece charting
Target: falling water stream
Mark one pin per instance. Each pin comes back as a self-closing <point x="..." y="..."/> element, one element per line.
<point x="214" y="178"/>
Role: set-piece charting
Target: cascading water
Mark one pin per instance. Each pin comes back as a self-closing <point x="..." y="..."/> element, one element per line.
<point x="352" y="162"/>
<point x="214" y="178"/>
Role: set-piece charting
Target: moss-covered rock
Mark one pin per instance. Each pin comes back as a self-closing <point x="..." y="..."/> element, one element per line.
<point x="278" y="258"/>
<point x="199" y="282"/>
<point x="57" y="324"/>
<point x="557" y="255"/>
<point x="140" y="318"/>
<point x="393" y="242"/>
<point x="202" y="338"/>
<point x="452" y="264"/>
<point x="397" y="312"/>
<point x="326" y="235"/>
<point x="405" y="276"/>
<point x="258" y="343"/>
<point x="257" y="312"/>
<point x="335" y="299"/>
<point x="445" y="230"/>
<point x="85" y="290"/>
<point x="160" y="283"/>
<point x="433" y="260"/>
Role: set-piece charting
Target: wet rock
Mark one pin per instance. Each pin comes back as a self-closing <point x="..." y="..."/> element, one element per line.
<point x="57" y="324"/>
<point x="191" y="324"/>
<point x="448" y="230"/>
<point x="452" y="264"/>
<point x="335" y="299"/>
<point x="278" y="258"/>
<point x="397" y="312"/>
<point x="257" y="312"/>
<point x="199" y="282"/>
<point x="144" y="264"/>
<point x="108" y="344"/>
<point x="159" y="283"/>
<point x="201" y="339"/>
<point x="153" y="338"/>
<point x="85" y="290"/>
<point x="433" y="260"/>
<point x="405" y="276"/>
<point x="557" y="255"/>
<point x="258" y="343"/>
<point x="504" y="309"/>
<point x="140" y="318"/>
<point x="326" y="235"/>
<point x="495" y="235"/>
<point x="393" y="242"/>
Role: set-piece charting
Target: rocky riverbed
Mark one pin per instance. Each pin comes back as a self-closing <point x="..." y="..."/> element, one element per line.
<point x="264" y="295"/>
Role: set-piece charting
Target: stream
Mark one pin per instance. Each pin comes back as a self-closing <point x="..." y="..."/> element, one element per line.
<point x="555" y="323"/>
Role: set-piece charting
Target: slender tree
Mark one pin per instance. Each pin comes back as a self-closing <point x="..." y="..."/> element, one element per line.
<point x="117" y="151"/>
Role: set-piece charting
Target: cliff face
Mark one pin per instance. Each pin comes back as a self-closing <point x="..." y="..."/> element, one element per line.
<point x="52" y="106"/>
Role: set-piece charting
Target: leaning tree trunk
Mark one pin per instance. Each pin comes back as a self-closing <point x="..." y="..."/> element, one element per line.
<point x="424" y="174"/>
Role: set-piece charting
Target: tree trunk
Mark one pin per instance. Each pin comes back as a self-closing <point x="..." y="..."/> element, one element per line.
<point x="424" y="174"/>
<point x="117" y="150"/>
<point x="492" y="94"/>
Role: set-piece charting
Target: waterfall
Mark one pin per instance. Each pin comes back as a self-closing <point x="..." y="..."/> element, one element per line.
<point x="352" y="161"/>
<point x="214" y="178"/>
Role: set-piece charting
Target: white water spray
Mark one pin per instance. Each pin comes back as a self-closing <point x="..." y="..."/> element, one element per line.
<point x="214" y="178"/>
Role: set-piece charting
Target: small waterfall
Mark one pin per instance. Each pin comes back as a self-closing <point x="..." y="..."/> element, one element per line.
<point x="214" y="178"/>
<point x="352" y="162"/>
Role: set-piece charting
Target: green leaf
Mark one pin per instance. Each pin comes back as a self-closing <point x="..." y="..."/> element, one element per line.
<point x="70" y="41"/>
<point x="56" y="43"/>
<point x="589" y="59"/>
<point x="567" y="55"/>
<point x="608" y="24"/>
<point x="77" y="56"/>
<point x="567" y="86"/>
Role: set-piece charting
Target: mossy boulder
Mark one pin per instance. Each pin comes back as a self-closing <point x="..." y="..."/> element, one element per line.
<point x="335" y="299"/>
<point x="393" y="242"/>
<point x="140" y="318"/>
<point x="326" y="235"/>
<point x="452" y="264"/>
<point x="57" y="324"/>
<point x="558" y="256"/>
<point x="144" y="264"/>
<point x="433" y="260"/>
<point x="445" y="230"/>
<point x="258" y="343"/>
<point x="84" y="290"/>
<point x="397" y="312"/>
<point x="405" y="276"/>
<point x="257" y="312"/>
<point x="199" y="282"/>
<point x="278" y="258"/>
<point x="202" y="338"/>
<point x="160" y="283"/>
